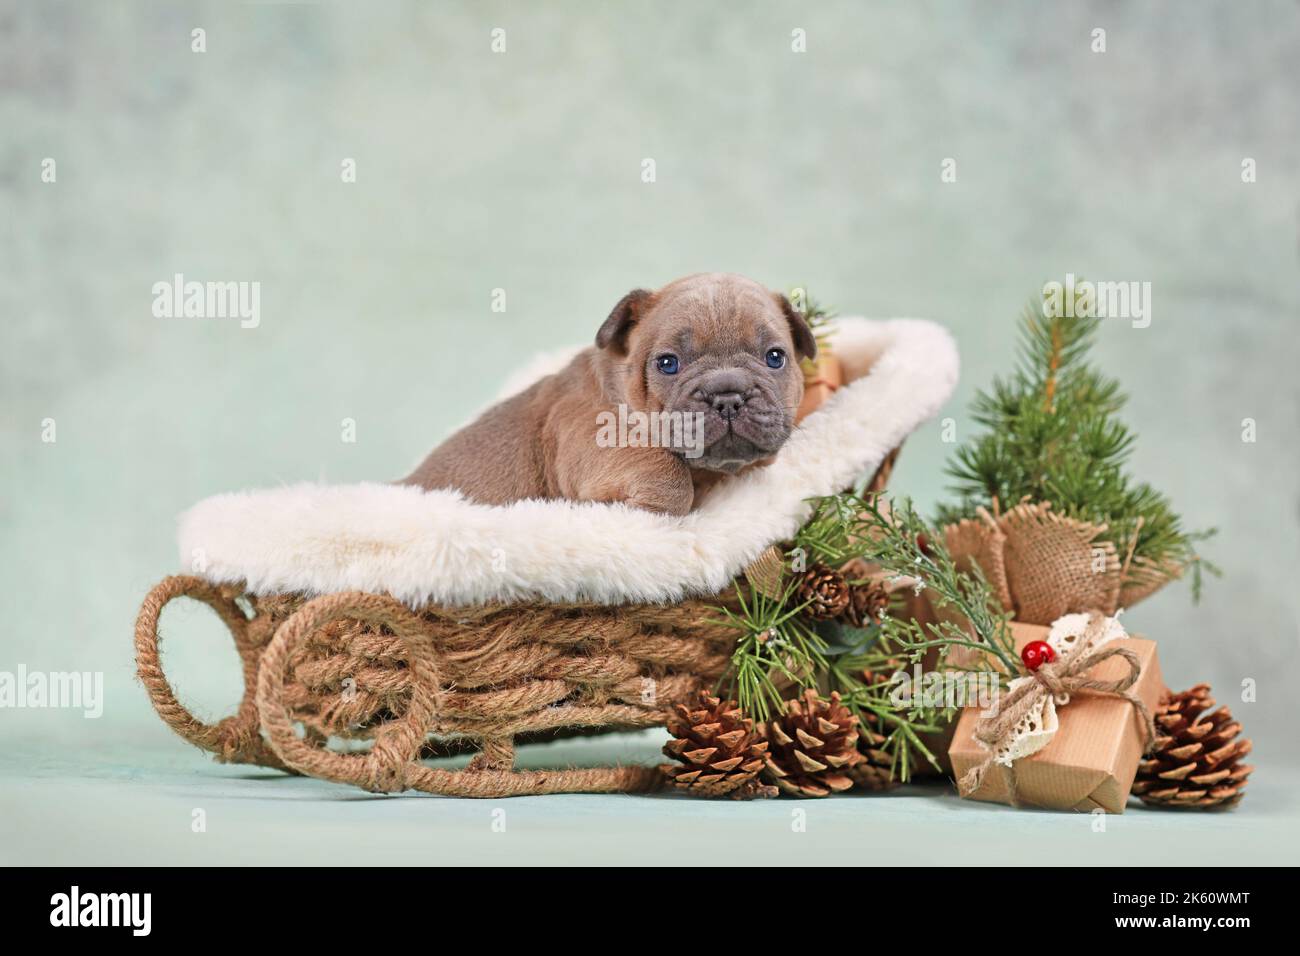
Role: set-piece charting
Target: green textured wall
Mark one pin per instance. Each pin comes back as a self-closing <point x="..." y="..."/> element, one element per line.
<point x="522" y="171"/>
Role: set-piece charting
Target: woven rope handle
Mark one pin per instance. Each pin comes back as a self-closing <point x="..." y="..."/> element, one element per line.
<point x="384" y="768"/>
<point x="234" y="739"/>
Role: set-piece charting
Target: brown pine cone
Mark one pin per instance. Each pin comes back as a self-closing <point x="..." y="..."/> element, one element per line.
<point x="866" y="603"/>
<point x="824" y="591"/>
<point x="720" y="752"/>
<point x="1195" y="761"/>
<point x="814" y="746"/>
<point x="876" y="771"/>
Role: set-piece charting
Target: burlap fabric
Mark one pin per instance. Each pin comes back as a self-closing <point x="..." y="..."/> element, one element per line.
<point x="1042" y="565"/>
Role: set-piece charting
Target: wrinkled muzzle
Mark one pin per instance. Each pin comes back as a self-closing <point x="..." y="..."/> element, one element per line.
<point x="740" y="417"/>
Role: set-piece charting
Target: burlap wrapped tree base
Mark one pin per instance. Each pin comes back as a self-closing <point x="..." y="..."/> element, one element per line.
<point x="357" y="666"/>
<point x="1041" y="564"/>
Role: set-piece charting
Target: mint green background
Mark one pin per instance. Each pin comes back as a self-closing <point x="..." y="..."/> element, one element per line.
<point x="522" y="171"/>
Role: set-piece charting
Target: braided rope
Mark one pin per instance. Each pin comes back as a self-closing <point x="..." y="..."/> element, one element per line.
<point x="234" y="739"/>
<point x="397" y="743"/>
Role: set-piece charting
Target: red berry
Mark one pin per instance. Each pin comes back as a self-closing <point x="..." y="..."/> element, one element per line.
<point x="1037" y="653"/>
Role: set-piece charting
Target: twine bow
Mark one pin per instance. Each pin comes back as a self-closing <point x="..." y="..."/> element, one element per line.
<point x="1057" y="680"/>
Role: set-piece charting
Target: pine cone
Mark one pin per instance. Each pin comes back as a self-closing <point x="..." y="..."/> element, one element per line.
<point x="814" y="746"/>
<point x="1195" y="760"/>
<point x="866" y="603"/>
<point x="876" y="771"/>
<point x="721" y="753"/>
<point x="825" y="592"/>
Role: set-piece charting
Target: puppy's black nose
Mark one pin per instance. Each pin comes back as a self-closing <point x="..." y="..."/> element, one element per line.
<point x="727" y="404"/>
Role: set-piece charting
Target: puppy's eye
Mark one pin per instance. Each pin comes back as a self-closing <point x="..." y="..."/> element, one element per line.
<point x="667" y="364"/>
<point x="775" y="358"/>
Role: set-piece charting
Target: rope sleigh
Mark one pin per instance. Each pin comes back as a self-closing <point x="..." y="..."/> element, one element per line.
<point x="360" y="686"/>
<point x="487" y="675"/>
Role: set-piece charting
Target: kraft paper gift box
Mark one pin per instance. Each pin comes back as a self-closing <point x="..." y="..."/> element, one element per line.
<point x="1092" y="759"/>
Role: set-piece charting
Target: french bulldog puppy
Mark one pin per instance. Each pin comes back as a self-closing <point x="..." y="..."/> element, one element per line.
<point x="684" y="386"/>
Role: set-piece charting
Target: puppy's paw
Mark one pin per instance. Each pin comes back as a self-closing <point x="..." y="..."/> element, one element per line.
<point x="649" y="478"/>
<point x="668" y="498"/>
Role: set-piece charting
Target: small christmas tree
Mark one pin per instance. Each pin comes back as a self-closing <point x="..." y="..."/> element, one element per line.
<point x="1052" y="436"/>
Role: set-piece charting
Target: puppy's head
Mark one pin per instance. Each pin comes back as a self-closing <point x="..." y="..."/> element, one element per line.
<point x="722" y="352"/>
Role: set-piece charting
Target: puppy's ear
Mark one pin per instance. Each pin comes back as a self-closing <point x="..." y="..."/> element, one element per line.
<point x="613" y="333"/>
<point x="805" y="343"/>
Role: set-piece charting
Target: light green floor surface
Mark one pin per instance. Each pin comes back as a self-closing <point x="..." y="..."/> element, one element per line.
<point x="139" y="807"/>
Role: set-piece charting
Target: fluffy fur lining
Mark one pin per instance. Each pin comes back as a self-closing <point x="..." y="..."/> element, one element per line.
<point x="436" y="546"/>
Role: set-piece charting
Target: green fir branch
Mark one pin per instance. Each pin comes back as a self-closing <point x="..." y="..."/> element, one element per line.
<point x="773" y="643"/>
<point x="900" y="542"/>
<point x="832" y="656"/>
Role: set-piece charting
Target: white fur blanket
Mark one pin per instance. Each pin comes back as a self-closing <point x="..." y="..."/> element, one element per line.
<point x="436" y="546"/>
